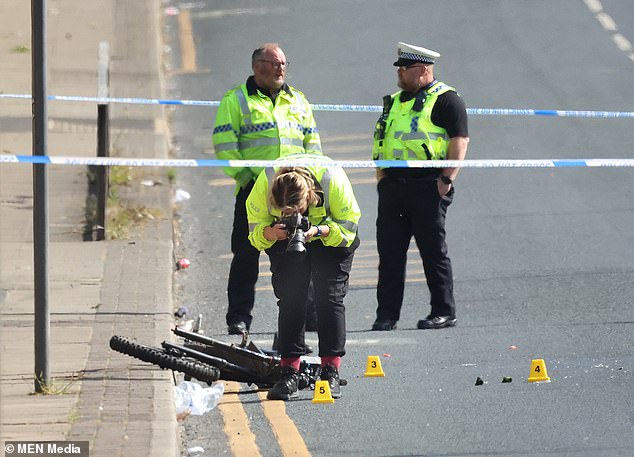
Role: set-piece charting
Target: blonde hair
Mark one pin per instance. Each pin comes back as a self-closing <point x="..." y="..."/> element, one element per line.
<point x="293" y="190"/>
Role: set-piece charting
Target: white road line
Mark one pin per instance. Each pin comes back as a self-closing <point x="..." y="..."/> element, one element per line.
<point x="606" y="21"/>
<point x="594" y="5"/>
<point x="215" y="14"/>
<point x="609" y="25"/>
<point x="622" y="42"/>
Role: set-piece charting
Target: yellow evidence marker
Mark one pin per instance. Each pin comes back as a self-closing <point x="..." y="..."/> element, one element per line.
<point x="373" y="367"/>
<point x="538" y="371"/>
<point x="322" y="393"/>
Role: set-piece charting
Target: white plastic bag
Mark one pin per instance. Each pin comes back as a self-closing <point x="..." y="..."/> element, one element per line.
<point x="181" y="196"/>
<point x="193" y="398"/>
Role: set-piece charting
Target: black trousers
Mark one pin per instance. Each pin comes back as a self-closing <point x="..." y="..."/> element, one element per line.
<point x="412" y="207"/>
<point x="329" y="268"/>
<point x="244" y="270"/>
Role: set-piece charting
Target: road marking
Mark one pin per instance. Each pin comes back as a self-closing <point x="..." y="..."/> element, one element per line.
<point x="366" y="171"/>
<point x="221" y="182"/>
<point x="371" y="282"/>
<point x="241" y="438"/>
<point x="386" y="338"/>
<point x="606" y="21"/>
<point x="355" y="282"/>
<point x="609" y="25"/>
<point x="622" y="43"/>
<point x="594" y="5"/>
<point x="362" y="181"/>
<point x="188" y="48"/>
<point x="224" y="182"/>
<point x="215" y="14"/>
<point x="342" y="149"/>
<point x="331" y="138"/>
<point x="288" y="437"/>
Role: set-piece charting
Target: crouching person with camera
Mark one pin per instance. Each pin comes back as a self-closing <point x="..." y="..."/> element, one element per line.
<point x="306" y="219"/>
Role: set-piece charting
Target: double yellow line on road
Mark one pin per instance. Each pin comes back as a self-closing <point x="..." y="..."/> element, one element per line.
<point x="242" y="440"/>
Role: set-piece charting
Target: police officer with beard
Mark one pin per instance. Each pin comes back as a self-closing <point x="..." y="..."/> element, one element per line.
<point x="426" y="120"/>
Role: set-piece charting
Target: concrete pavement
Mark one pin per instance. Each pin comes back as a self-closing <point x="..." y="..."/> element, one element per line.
<point x="96" y="289"/>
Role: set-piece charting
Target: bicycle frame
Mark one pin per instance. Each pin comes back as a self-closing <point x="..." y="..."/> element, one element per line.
<point x="209" y="360"/>
<point x="246" y="362"/>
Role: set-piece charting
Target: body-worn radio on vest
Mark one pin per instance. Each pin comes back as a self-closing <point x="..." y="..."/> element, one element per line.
<point x="388" y="101"/>
<point x="379" y="130"/>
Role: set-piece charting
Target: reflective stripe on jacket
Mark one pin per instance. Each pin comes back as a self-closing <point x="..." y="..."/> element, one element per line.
<point x="252" y="127"/>
<point x="410" y="134"/>
<point x="339" y="211"/>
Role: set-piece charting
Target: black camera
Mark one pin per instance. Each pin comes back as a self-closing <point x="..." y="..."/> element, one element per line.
<point x="296" y="225"/>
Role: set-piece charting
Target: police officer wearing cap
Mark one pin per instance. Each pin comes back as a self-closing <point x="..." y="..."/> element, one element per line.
<point x="426" y="120"/>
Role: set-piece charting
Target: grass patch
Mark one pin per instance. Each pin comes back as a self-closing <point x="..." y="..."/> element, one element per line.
<point x="122" y="217"/>
<point x="20" y="49"/>
<point x="73" y="416"/>
<point x="121" y="176"/>
<point x="57" y="386"/>
<point x="171" y="175"/>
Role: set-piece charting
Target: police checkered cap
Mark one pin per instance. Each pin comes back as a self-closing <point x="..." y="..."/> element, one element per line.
<point x="409" y="54"/>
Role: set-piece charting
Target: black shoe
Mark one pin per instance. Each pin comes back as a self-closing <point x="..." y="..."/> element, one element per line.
<point x="437" y="322"/>
<point x="384" y="325"/>
<point x="330" y="374"/>
<point x="238" y="328"/>
<point x="287" y="388"/>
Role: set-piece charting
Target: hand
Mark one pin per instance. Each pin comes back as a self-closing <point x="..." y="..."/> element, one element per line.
<point x="380" y="174"/>
<point x="443" y="189"/>
<point x="312" y="231"/>
<point x="276" y="233"/>
<point x="244" y="177"/>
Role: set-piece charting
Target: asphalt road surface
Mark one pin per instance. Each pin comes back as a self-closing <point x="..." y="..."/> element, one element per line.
<point x="543" y="258"/>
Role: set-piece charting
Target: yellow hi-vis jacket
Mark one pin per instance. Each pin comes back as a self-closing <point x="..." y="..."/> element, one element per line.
<point x="409" y="134"/>
<point x="249" y="126"/>
<point x="338" y="210"/>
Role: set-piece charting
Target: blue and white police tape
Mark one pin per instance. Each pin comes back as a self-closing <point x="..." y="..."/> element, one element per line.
<point x="348" y="108"/>
<point x="176" y="163"/>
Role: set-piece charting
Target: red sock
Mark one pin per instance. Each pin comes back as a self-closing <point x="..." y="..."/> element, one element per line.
<point x="334" y="361"/>
<point x="290" y="362"/>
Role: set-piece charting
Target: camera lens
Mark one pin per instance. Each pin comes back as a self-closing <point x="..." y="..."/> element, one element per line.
<point x="296" y="244"/>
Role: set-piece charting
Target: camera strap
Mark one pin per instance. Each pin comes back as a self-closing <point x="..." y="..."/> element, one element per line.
<point x="319" y="191"/>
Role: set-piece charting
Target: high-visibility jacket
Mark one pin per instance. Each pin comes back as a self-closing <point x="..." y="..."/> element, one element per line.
<point x="250" y="126"/>
<point x="405" y="130"/>
<point x="338" y="210"/>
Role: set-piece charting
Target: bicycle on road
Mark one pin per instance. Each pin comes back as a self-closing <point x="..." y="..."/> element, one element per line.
<point x="209" y="360"/>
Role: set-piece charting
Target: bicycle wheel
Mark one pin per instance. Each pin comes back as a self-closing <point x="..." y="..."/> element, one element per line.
<point x="194" y="369"/>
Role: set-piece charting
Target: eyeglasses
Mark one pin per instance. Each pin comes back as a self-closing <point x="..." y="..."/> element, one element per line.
<point x="407" y="67"/>
<point x="275" y="64"/>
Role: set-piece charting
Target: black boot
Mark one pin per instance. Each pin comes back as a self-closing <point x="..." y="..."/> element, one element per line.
<point x="330" y="374"/>
<point x="287" y="387"/>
